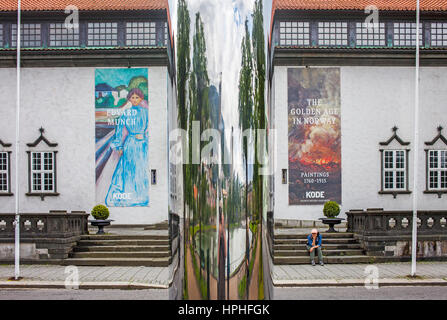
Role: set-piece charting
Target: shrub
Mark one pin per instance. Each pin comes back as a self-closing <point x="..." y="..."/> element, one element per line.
<point x="331" y="209"/>
<point x="100" y="212"/>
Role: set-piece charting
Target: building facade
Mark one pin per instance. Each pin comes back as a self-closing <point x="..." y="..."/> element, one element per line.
<point x="97" y="103"/>
<point x="344" y="82"/>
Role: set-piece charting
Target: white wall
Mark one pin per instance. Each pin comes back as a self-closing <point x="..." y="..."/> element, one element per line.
<point x="373" y="100"/>
<point x="61" y="100"/>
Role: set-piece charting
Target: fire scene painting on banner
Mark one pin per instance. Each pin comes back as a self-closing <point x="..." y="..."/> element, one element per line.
<point x="121" y="114"/>
<point x="314" y="135"/>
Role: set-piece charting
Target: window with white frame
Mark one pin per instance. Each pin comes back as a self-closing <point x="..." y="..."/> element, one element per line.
<point x="394" y="170"/>
<point x="437" y="170"/>
<point x="60" y="36"/>
<point x="1" y="35"/>
<point x="102" y="34"/>
<point x="294" y="33"/>
<point x="439" y="34"/>
<point x="370" y="34"/>
<point x="42" y="172"/>
<point x="405" y="34"/>
<point x="141" y="34"/>
<point x="4" y="172"/>
<point x="333" y="33"/>
<point x="30" y="35"/>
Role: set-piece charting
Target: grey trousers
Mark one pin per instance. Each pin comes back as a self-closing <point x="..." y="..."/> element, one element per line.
<point x="312" y="254"/>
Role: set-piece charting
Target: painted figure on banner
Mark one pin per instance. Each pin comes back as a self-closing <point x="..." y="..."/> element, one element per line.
<point x="122" y="174"/>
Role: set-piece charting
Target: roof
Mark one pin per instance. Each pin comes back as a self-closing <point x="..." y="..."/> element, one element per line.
<point x="334" y="5"/>
<point x="89" y="5"/>
<point x="84" y="5"/>
<point x="389" y="5"/>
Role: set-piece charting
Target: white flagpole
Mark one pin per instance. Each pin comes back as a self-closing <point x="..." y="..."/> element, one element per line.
<point x="17" y="216"/>
<point x="416" y="149"/>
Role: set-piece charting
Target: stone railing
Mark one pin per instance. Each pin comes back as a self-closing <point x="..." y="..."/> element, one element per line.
<point x="45" y="224"/>
<point x="42" y="235"/>
<point x="383" y="232"/>
<point x="378" y="221"/>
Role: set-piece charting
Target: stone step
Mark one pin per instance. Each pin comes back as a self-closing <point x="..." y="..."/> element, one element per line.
<point x="337" y="252"/>
<point x="329" y="260"/>
<point x="158" y="226"/>
<point x="123" y="242"/>
<point x="126" y="237"/>
<point x="325" y="246"/>
<point x="134" y="254"/>
<point x="325" y="241"/>
<point x="128" y="262"/>
<point x="325" y="236"/>
<point x="120" y="248"/>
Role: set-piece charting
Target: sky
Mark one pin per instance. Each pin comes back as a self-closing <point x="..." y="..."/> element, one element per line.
<point x="224" y="29"/>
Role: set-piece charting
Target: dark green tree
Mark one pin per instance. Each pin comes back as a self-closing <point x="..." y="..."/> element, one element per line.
<point x="245" y="108"/>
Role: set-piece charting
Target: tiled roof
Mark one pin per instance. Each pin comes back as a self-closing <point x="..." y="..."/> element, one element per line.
<point x="85" y="5"/>
<point x="390" y="5"/>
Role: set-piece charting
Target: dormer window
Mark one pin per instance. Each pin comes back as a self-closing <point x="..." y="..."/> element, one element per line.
<point x="30" y="35"/>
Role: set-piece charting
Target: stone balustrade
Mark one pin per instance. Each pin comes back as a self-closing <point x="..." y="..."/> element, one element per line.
<point x="388" y="233"/>
<point x="42" y="235"/>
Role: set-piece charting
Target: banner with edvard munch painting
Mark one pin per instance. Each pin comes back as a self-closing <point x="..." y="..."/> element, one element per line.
<point x="121" y="116"/>
<point x="314" y="135"/>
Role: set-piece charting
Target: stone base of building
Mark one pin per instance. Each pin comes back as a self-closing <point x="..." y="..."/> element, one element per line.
<point x="38" y="249"/>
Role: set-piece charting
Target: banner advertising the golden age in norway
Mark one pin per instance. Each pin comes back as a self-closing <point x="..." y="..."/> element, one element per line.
<point x="314" y="135"/>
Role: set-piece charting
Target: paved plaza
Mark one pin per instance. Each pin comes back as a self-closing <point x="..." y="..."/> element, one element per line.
<point x="344" y="274"/>
<point x="117" y="277"/>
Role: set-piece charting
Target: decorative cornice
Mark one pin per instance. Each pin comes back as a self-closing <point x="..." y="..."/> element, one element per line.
<point x="439" y="136"/>
<point x="41" y="138"/>
<point x="4" y="144"/>
<point x="394" y="137"/>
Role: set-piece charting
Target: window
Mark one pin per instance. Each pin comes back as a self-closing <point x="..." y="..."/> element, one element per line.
<point x="394" y="170"/>
<point x="154" y="176"/>
<point x="439" y="34"/>
<point x="166" y="34"/>
<point x="294" y="33"/>
<point x="333" y="33"/>
<point x="60" y="36"/>
<point x="369" y="34"/>
<point x="437" y="170"/>
<point x="102" y="34"/>
<point x="141" y="34"/>
<point x="42" y="172"/>
<point x="5" y="184"/>
<point x="30" y="35"/>
<point x="405" y="34"/>
<point x="1" y="35"/>
<point x="284" y="176"/>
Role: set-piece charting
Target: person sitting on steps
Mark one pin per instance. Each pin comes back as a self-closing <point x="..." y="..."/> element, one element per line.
<point x="314" y="241"/>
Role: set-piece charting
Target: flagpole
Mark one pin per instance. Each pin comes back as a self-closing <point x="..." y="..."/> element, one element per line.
<point x="17" y="216"/>
<point x="416" y="149"/>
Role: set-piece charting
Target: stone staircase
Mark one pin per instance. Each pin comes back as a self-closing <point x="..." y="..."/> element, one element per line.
<point x="338" y="248"/>
<point x="151" y="250"/>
